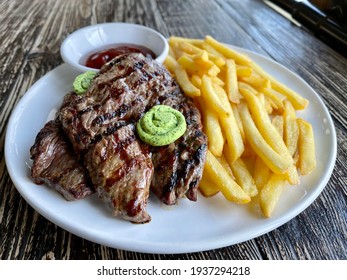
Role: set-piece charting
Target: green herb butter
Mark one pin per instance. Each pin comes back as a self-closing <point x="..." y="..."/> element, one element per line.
<point x="83" y="81"/>
<point x="161" y="125"/>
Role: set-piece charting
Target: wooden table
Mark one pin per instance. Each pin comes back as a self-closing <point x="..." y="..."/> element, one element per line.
<point x="31" y="34"/>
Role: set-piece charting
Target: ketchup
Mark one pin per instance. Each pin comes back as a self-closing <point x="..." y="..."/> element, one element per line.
<point x="99" y="58"/>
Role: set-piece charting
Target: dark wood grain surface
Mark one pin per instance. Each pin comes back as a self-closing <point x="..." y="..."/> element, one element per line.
<point x="31" y="32"/>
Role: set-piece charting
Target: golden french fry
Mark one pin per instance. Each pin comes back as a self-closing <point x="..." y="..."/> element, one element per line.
<point x="213" y="71"/>
<point x="212" y="50"/>
<point x="249" y="161"/>
<point x="238" y="120"/>
<point x="233" y="137"/>
<point x="245" y="86"/>
<point x="177" y="40"/>
<point x="217" y="81"/>
<point x="217" y="60"/>
<point x="231" y="82"/>
<point x="243" y="177"/>
<point x="192" y="49"/>
<point x="184" y="82"/>
<point x="263" y="123"/>
<point x="277" y="122"/>
<point x="292" y="175"/>
<point x="189" y="48"/>
<point x="214" y="55"/>
<point x="255" y="81"/>
<point x="276" y="97"/>
<point x="211" y="98"/>
<point x="226" y="166"/>
<point x="291" y="129"/>
<point x="243" y="71"/>
<point x="270" y="194"/>
<point x="230" y="189"/>
<point x="261" y="173"/>
<point x="297" y="100"/>
<point x="212" y="129"/>
<point x="170" y="63"/>
<point x="276" y="162"/>
<point x="228" y="52"/>
<point x="306" y="145"/>
<point x="230" y="128"/>
<point x="207" y="186"/>
<point x="196" y="80"/>
<point x="190" y="66"/>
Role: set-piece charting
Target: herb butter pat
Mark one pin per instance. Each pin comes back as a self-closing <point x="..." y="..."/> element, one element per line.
<point x="161" y="125"/>
<point x="83" y="81"/>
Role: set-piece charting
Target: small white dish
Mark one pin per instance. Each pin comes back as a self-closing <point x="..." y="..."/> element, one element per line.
<point x="95" y="37"/>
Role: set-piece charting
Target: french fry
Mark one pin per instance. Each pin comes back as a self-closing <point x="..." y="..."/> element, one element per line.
<point x="238" y="120"/>
<point x="249" y="161"/>
<point x="243" y="71"/>
<point x="277" y="122"/>
<point x="217" y="81"/>
<point x="189" y="48"/>
<point x="184" y="82"/>
<point x="231" y="82"/>
<point x="226" y="166"/>
<point x="276" y="162"/>
<point x="190" y="66"/>
<point x="298" y="101"/>
<point x="230" y="189"/>
<point x="291" y="129"/>
<point x="228" y="52"/>
<point x="243" y="177"/>
<point x="230" y="128"/>
<point x="196" y="81"/>
<point x="212" y="130"/>
<point x="292" y="175"/>
<point x="170" y="63"/>
<point x="207" y="186"/>
<point x="202" y="60"/>
<point x="211" y="98"/>
<point x="255" y="81"/>
<point x="270" y="194"/>
<point x="233" y="137"/>
<point x="267" y="130"/>
<point x="176" y="40"/>
<point x="214" y="55"/>
<point x="306" y="145"/>
<point x="212" y="50"/>
<point x="276" y="97"/>
<point x="261" y="173"/>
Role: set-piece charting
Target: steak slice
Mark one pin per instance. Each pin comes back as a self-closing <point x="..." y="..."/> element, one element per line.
<point x="121" y="170"/>
<point x="55" y="164"/>
<point x="179" y="166"/>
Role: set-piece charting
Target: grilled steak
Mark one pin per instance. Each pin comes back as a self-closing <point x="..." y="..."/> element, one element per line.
<point x="55" y="164"/>
<point x="121" y="170"/>
<point x="121" y="93"/>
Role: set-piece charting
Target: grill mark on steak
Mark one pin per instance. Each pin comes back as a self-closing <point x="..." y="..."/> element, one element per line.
<point x="121" y="170"/>
<point x="55" y="164"/>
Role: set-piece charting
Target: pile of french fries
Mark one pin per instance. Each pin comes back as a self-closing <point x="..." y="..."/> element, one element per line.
<point x="256" y="143"/>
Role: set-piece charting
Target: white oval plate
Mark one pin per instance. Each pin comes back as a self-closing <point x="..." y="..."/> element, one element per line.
<point x="188" y="227"/>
